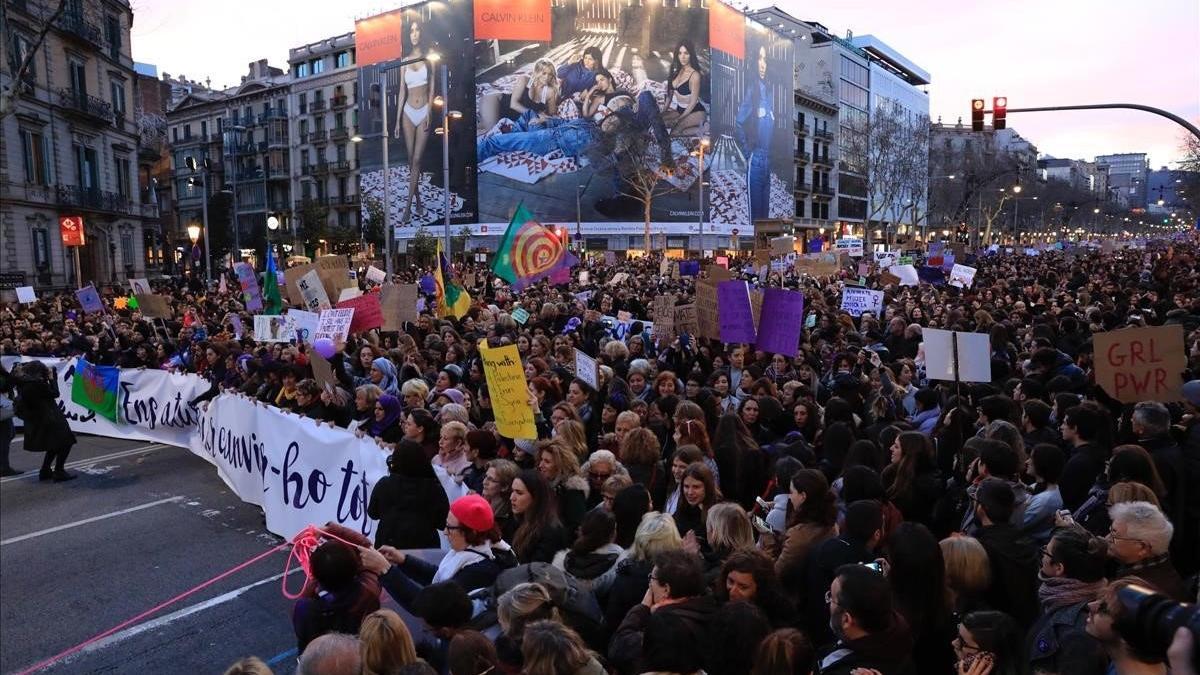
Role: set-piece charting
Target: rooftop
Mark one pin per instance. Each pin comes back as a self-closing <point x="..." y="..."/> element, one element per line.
<point x="880" y="51"/>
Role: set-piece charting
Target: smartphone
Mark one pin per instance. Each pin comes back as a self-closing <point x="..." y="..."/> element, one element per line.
<point x="766" y="505"/>
<point x="811" y="321"/>
<point x="874" y="566"/>
<point x="760" y="524"/>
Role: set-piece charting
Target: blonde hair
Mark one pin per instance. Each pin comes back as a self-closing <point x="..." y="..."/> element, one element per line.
<point x="640" y="447"/>
<point x="566" y="464"/>
<point x="656" y="533"/>
<point x="1131" y="491"/>
<point x="522" y="604"/>
<point x="571" y="433"/>
<point x="729" y="527"/>
<point x="968" y="571"/>
<point x="415" y="387"/>
<point x="456" y="429"/>
<point x="386" y="643"/>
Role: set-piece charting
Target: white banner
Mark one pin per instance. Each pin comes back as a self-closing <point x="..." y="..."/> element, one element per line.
<point x="153" y="404"/>
<point x="298" y="471"/>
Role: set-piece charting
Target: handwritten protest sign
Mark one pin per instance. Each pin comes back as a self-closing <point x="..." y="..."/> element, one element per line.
<point x="587" y="370"/>
<point x="520" y="315"/>
<point x="857" y="300"/>
<point x="888" y="279"/>
<point x="304" y="324"/>
<point x="312" y="292"/>
<point x="885" y="259"/>
<point x="906" y="273"/>
<point x="140" y="287"/>
<point x="706" y="309"/>
<point x="663" y="313"/>
<point x="367" y="312"/>
<point x="251" y="294"/>
<point x="618" y="278"/>
<point x="508" y="390"/>
<point x="334" y="324"/>
<point x="1141" y="364"/>
<point x="734" y="313"/>
<point x="851" y="246"/>
<point x="585" y="278"/>
<point x="782" y="320"/>
<point x="26" y="295"/>
<point x="273" y="328"/>
<point x="685" y="319"/>
<point x="376" y="275"/>
<point x="398" y="302"/>
<point x="962" y="276"/>
<point x="783" y="245"/>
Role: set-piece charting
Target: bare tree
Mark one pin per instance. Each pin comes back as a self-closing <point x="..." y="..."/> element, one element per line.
<point x="642" y="171"/>
<point x="891" y="148"/>
<point x="21" y="54"/>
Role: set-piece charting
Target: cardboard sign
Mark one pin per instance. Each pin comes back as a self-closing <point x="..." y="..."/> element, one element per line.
<point x="819" y="265"/>
<point x="348" y="294"/>
<point x="25" y="295"/>
<point x="719" y="274"/>
<point x="762" y="257"/>
<point x="888" y="279"/>
<point x="334" y="324"/>
<point x="783" y="318"/>
<point x="1141" y="364"/>
<point x="303" y="324"/>
<point x="398" y="302"/>
<point x="520" y="315"/>
<point x="974" y="352"/>
<point x="367" y="312"/>
<point x="962" y="276"/>
<point x="783" y="245"/>
<point x="586" y="370"/>
<point x="686" y="320"/>
<point x="664" y="267"/>
<point x="706" y="309"/>
<point x="907" y="274"/>
<point x="322" y="371"/>
<point x="155" y="306"/>
<point x="312" y="292"/>
<point x="857" y="300"/>
<point x="273" y="328"/>
<point x="663" y="313"/>
<point x="735" y="315"/>
<point x="508" y="390"/>
<point x="376" y="275"/>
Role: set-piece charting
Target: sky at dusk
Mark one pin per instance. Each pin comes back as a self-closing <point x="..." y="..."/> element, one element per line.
<point x="1036" y="52"/>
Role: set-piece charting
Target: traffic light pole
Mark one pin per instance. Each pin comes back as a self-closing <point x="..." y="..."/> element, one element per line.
<point x="1109" y="106"/>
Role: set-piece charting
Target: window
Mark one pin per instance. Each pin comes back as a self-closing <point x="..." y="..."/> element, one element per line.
<point x="341" y="152"/>
<point x="317" y="66"/>
<point x="342" y="185"/>
<point x="37" y="152"/>
<point x="854" y="95"/>
<point x="301" y="70"/>
<point x="78" y="78"/>
<point x="86" y="170"/>
<point x="341" y="60"/>
<point x="203" y="128"/>
<point x="220" y="125"/>
<point x="41" y="249"/>
<point x="343" y="218"/>
<point x="21" y="46"/>
<point x="339" y="120"/>
<point x="123" y="189"/>
<point x="266" y="107"/>
<point x="187" y="132"/>
<point x="855" y="72"/>
<point x="303" y="103"/>
<point x="174" y="134"/>
<point x="118" y="101"/>
<point x="112" y="34"/>
<point x="303" y="130"/>
<point x="318" y="123"/>
<point x="127" y="248"/>
<point x="799" y="208"/>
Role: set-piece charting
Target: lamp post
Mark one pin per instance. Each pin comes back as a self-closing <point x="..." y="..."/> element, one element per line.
<point x="193" y="231"/>
<point x="237" y="239"/>
<point x="272" y="225"/>
<point x="202" y="169"/>
<point x="704" y="144"/>
<point x="447" y="115"/>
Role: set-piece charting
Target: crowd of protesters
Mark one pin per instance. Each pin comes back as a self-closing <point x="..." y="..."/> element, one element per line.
<point x="715" y="508"/>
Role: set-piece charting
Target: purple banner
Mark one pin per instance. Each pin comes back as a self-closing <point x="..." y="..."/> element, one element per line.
<point x="251" y="294"/>
<point x="734" y="312"/>
<point x="782" y="318"/>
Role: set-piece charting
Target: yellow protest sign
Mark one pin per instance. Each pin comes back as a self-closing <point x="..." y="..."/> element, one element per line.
<point x="508" y="390"/>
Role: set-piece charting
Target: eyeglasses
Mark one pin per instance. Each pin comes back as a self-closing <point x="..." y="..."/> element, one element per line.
<point x="599" y="476"/>
<point x="1113" y="536"/>
<point x="963" y="644"/>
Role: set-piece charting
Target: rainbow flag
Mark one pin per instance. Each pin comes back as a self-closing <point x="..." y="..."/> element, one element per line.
<point x="452" y="299"/>
<point x="530" y="251"/>
<point x="95" y="388"/>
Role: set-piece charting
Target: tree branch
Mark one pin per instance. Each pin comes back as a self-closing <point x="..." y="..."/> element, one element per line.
<point x="11" y="96"/>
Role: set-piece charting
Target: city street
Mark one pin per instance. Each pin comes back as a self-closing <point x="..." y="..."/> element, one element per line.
<point x="140" y="525"/>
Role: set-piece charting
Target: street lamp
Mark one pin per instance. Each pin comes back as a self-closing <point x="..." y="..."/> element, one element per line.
<point x="272" y="225"/>
<point x="444" y="130"/>
<point x="704" y="145"/>
<point x="202" y="169"/>
<point x="193" y="231"/>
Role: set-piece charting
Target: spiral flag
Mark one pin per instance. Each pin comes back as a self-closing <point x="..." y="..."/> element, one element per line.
<point x="530" y="251"/>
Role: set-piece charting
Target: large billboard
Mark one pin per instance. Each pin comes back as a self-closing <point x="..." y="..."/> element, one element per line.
<point x="551" y="91"/>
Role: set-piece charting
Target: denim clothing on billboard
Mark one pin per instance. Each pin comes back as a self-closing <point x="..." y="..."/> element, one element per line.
<point x="572" y="137"/>
<point x="575" y="78"/>
<point x="755" y="127"/>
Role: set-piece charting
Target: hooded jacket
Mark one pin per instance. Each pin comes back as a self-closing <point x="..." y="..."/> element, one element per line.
<point x="689" y="621"/>
<point x="1014" y="561"/>
<point x="595" y="570"/>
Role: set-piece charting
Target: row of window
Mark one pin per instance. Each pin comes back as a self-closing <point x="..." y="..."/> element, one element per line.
<point x="36" y="156"/>
<point x="41" y="250"/>
<point x="342" y="59"/>
<point x="819" y="210"/>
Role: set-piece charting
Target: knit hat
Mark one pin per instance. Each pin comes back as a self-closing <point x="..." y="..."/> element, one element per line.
<point x="453" y="394"/>
<point x="474" y="512"/>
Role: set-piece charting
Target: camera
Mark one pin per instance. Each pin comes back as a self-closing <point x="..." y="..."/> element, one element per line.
<point x="1148" y="621"/>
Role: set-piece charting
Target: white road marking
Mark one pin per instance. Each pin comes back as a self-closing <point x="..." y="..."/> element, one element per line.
<point x="96" y="460"/>
<point x="176" y="615"/>
<point x="85" y="521"/>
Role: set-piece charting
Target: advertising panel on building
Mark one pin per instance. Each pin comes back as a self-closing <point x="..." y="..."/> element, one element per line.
<point x="553" y="91"/>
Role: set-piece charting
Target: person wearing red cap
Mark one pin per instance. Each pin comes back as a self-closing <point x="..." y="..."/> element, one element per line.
<point x="477" y="555"/>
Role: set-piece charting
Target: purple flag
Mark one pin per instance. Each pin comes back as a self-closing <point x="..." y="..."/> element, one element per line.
<point x="428" y="285"/>
<point x="782" y="318"/>
<point x="735" y="315"/>
<point x="689" y="268"/>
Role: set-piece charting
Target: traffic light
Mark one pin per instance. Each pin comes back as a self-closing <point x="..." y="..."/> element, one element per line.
<point x="999" y="112"/>
<point x="977" y="114"/>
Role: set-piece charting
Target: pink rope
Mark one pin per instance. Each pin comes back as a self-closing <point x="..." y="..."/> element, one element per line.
<point x="302" y="545"/>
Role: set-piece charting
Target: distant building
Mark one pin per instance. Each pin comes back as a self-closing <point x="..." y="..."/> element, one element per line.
<point x="1127" y="174"/>
<point x="1080" y="174"/>
<point x="953" y="146"/>
<point x="1166" y="185"/>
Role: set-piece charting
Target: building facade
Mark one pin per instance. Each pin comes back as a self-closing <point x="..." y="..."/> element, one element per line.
<point x="70" y="146"/>
<point x="1127" y="175"/>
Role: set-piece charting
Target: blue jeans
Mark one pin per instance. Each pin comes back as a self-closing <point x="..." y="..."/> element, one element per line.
<point x="572" y="137"/>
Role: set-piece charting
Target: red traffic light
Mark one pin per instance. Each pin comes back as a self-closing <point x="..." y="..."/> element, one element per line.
<point x="977" y="110"/>
<point x="999" y="112"/>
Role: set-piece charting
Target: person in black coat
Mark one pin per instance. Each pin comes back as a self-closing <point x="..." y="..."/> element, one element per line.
<point x="46" y="429"/>
<point x="536" y="533"/>
<point x="1012" y="555"/>
<point x="409" y="503"/>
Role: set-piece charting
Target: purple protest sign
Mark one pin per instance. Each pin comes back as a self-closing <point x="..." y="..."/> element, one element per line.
<point x="781" y="322"/>
<point x="734" y="313"/>
<point x="428" y="285"/>
<point x="251" y="294"/>
<point x="89" y="299"/>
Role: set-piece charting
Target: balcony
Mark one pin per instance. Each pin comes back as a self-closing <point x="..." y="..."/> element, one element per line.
<point x="94" y="200"/>
<point x="801" y="156"/>
<point x="272" y="114"/>
<point x="823" y="160"/>
<point x="346" y="201"/>
<point x="74" y="25"/>
<point x="255" y="173"/>
<point x="801" y="130"/>
<point x="339" y="134"/>
<point x="340" y="167"/>
<point x="822" y="192"/>
<point x="280" y="141"/>
<point x="317" y="106"/>
<point x="279" y="172"/>
<point x="802" y="188"/>
<point x="339" y="102"/>
<point x="241" y="148"/>
<point x="84" y="105"/>
<point x="315" y="137"/>
<point x="320" y="168"/>
<point x="824" y="134"/>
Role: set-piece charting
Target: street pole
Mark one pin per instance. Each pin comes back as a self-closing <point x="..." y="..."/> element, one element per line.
<point x="446" y="154"/>
<point x="389" y="234"/>
<point x="204" y="213"/>
<point x="700" y="189"/>
<point x="1016" y="210"/>
<point x="78" y="269"/>
<point x="579" y="218"/>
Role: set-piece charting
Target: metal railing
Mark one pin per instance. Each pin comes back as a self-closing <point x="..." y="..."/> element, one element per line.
<point x="801" y="156"/>
<point x="822" y="190"/>
<point x="93" y="199"/>
<point x="339" y="133"/>
<point x="823" y="160"/>
<point x="74" y="24"/>
<point x="317" y="106"/>
<point x="802" y="186"/>
<point x="339" y="167"/>
<point x="86" y="104"/>
<point x="340" y="101"/>
<point x="823" y="133"/>
<point x="801" y="129"/>
<point x="316" y="137"/>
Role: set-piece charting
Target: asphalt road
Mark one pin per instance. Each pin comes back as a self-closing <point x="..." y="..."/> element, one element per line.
<point x="140" y="525"/>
